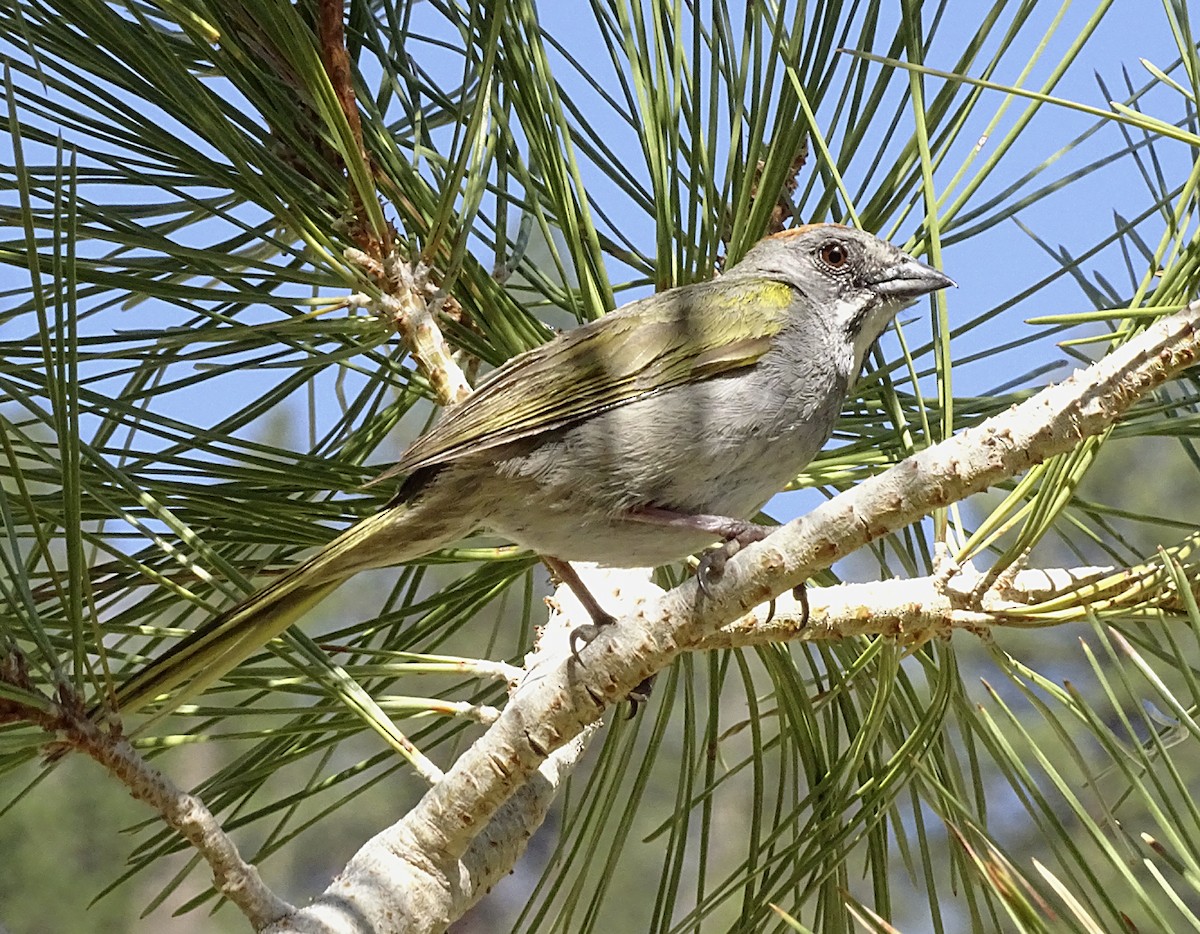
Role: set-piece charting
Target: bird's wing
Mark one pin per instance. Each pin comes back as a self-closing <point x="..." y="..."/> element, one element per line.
<point x="645" y="350"/>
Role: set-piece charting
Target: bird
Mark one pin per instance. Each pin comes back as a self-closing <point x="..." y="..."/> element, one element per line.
<point x="634" y="440"/>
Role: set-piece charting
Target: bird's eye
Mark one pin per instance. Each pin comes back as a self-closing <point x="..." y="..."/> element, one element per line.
<point x="834" y="255"/>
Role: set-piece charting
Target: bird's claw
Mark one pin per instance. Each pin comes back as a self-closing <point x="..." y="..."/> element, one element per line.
<point x="800" y="593"/>
<point x="712" y="566"/>
<point x="710" y="569"/>
<point x="586" y="633"/>
<point x="639" y="695"/>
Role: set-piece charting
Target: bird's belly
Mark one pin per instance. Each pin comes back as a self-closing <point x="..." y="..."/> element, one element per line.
<point x="720" y="453"/>
<point x="613" y="543"/>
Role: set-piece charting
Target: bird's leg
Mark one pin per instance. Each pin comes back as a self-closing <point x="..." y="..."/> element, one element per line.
<point x="734" y="533"/>
<point x="588" y="631"/>
<point x="600" y="617"/>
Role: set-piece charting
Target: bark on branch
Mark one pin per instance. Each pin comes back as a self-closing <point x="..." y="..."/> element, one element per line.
<point x="233" y="877"/>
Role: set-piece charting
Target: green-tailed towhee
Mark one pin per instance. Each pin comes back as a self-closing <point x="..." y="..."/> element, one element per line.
<point x="634" y="440"/>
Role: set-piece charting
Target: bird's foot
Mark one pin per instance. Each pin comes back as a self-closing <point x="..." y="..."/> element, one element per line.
<point x="712" y="562"/>
<point x="585" y="634"/>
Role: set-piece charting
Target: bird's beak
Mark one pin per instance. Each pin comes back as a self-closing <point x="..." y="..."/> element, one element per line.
<point x="909" y="279"/>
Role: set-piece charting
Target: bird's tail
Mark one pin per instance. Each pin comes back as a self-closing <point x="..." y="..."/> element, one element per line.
<point x="393" y="536"/>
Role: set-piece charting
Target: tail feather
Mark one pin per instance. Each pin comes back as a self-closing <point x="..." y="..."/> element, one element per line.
<point x="391" y="537"/>
<point x="222" y="644"/>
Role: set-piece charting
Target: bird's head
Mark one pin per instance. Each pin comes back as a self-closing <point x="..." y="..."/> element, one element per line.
<point x="858" y="280"/>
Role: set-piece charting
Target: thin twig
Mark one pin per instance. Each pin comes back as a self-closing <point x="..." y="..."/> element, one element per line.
<point x="331" y="36"/>
<point x="233" y="877"/>
<point x="404" y="302"/>
<point x="911" y="611"/>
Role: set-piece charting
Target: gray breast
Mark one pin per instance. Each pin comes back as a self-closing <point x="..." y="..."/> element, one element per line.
<point x="723" y="446"/>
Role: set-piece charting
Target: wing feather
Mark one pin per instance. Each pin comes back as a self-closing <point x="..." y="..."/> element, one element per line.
<point x="649" y="345"/>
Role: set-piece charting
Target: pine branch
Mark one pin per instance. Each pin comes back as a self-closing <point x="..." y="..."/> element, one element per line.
<point x="430" y="852"/>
